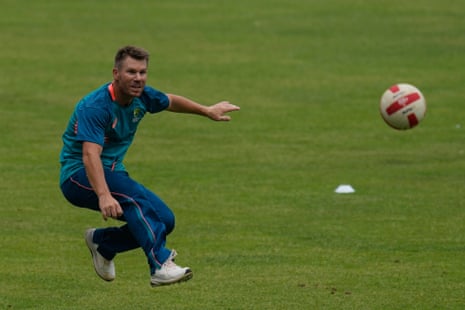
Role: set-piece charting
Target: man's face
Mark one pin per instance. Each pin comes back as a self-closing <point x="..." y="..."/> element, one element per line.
<point x="131" y="76"/>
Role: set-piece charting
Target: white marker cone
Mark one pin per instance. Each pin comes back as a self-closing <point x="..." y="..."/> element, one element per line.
<point x="344" y="189"/>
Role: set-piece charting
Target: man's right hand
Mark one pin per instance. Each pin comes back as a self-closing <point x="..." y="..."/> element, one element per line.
<point x="109" y="207"/>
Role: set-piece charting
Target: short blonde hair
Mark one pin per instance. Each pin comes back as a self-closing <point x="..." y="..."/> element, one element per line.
<point x="130" y="51"/>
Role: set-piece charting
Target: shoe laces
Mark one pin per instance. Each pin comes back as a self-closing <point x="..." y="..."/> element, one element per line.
<point x="172" y="255"/>
<point x="170" y="261"/>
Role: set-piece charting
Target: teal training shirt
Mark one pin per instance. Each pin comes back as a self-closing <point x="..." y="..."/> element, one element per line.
<point x="98" y="118"/>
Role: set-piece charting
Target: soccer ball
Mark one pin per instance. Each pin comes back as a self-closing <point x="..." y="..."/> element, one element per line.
<point x="402" y="106"/>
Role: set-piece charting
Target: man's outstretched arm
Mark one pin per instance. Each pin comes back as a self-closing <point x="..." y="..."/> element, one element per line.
<point x="216" y="112"/>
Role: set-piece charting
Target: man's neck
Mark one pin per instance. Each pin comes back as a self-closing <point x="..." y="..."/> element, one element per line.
<point x="118" y="96"/>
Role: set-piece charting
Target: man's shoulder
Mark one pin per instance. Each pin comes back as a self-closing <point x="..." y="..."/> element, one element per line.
<point x="96" y="106"/>
<point x="98" y="98"/>
<point x="154" y="99"/>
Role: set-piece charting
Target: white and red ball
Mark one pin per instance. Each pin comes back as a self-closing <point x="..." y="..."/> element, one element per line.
<point x="402" y="106"/>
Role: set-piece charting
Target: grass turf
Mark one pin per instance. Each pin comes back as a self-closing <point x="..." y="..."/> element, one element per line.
<point x="257" y="218"/>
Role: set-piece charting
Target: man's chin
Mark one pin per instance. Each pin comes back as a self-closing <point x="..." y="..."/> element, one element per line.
<point x="136" y="93"/>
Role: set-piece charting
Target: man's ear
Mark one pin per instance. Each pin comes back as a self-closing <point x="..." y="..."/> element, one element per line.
<point x="115" y="74"/>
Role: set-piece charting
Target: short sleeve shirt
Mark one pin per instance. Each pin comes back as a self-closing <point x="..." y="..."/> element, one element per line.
<point x="98" y="118"/>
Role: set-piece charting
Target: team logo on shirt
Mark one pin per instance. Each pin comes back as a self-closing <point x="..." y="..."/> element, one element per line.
<point x="137" y="115"/>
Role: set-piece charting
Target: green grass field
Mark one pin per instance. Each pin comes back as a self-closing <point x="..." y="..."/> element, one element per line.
<point x="257" y="217"/>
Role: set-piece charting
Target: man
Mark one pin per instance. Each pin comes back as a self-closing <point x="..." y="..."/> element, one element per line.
<point x="99" y="133"/>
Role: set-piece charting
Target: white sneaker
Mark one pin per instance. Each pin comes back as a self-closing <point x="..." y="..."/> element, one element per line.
<point x="170" y="273"/>
<point x="104" y="268"/>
